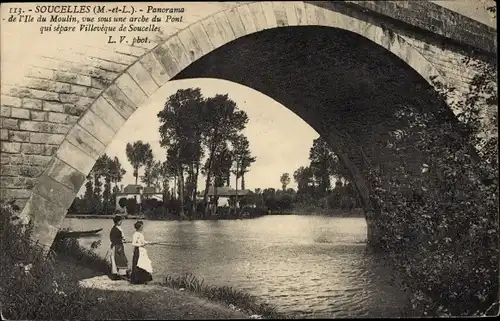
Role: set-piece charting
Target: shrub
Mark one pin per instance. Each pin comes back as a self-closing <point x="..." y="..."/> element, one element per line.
<point x="29" y="289"/>
<point x="442" y="224"/>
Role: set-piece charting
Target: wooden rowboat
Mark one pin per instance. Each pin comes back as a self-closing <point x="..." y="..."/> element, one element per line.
<point x="75" y="234"/>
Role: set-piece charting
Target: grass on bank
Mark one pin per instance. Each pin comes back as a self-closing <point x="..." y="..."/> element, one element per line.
<point x="240" y="300"/>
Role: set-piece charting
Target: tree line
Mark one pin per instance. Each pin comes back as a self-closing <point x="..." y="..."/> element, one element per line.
<point x="201" y="136"/>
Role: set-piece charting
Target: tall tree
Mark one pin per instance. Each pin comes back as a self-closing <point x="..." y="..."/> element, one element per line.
<point x="117" y="172"/>
<point x="242" y="159"/>
<point x="139" y="154"/>
<point x="181" y="127"/>
<point x="220" y="167"/>
<point x="222" y="121"/>
<point x="304" y="178"/>
<point x="321" y="157"/>
<point x="151" y="175"/>
<point x="285" y="180"/>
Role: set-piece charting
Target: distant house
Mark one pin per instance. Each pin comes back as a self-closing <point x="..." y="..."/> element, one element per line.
<point x="134" y="191"/>
<point x="224" y="193"/>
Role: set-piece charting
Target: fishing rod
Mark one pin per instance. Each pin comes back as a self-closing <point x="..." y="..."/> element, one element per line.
<point x="160" y="243"/>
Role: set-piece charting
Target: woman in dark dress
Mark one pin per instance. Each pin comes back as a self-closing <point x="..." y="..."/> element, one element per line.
<point x="119" y="262"/>
<point x="141" y="265"/>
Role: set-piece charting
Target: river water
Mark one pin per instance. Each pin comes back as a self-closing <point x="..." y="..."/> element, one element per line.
<point x="309" y="266"/>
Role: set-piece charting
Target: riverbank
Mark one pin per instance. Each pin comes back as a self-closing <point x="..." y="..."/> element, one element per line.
<point x="120" y="300"/>
<point x="186" y="297"/>
<point x="334" y="212"/>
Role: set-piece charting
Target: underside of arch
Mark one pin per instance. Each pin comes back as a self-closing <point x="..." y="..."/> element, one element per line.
<point x="324" y="100"/>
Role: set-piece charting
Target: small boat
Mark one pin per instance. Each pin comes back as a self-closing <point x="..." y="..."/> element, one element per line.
<point x="74" y="234"/>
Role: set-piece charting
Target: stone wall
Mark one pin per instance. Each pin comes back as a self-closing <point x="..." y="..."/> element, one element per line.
<point x="59" y="118"/>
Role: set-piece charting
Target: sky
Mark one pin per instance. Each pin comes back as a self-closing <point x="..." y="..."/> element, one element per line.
<point x="279" y="139"/>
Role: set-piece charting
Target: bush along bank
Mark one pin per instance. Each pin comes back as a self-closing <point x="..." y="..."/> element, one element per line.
<point x="441" y="224"/>
<point x="234" y="298"/>
<point x="30" y="287"/>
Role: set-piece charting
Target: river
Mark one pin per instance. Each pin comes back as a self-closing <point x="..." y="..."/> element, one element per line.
<point x="309" y="266"/>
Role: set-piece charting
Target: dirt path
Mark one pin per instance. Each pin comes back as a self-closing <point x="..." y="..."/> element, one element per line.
<point x="165" y="303"/>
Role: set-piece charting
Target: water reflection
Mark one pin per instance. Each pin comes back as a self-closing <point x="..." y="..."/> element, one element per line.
<point x="303" y="264"/>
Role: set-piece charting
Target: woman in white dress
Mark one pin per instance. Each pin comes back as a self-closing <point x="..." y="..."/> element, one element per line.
<point x="141" y="265"/>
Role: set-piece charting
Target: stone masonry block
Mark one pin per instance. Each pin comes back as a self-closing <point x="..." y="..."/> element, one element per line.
<point x="75" y="109"/>
<point x="18" y="193"/>
<point x="119" y="101"/>
<point x="62" y="118"/>
<point x="17" y="182"/>
<point x="247" y="19"/>
<point x="321" y="17"/>
<point x="65" y="174"/>
<point x="9" y="123"/>
<point x="48" y="85"/>
<point x="20" y="113"/>
<point x="108" y="114"/>
<point x="130" y="88"/>
<point x="54" y="191"/>
<point x="258" y="16"/>
<point x="312" y="20"/>
<point x="72" y="78"/>
<point x="36" y="160"/>
<point x="19" y="136"/>
<point x="213" y="32"/>
<point x="143" y="78"/>
<point x="14" y="159"/>
<point x="79" y="90"/>
<point x="300" y="11"/>
<point x="46" y="138"/>
<point x="75" y="157"/>
<point x="10" y="147"/>
<point x="35" y="94"/>
<point x="49" y="150"/>
<point x="21" y="170"/>
<point x="27" y="148"/>
<point x="39" y="72"/>
<point x="5" y="111"/>
<point x="225" y="30"/>
<point x="190" y="44"/>
<point x="4" y="134"/>
<point x="235" y="21"/>
<point x="167" y="60"/>
<point x="84" y="102"/>
<point x="82" y="139"/>
<point x="97" y="127"/>
<point x="269" y="13"/>
<point x="43" y="127"/>
<point x="46" y="216"/>
<point x="155" y="69"/>
<point x="11" y="101"/>
<point x="201" y="37"/>
<point x="291" y="14"/>
<point x="32" y="103"/>
<point x="176" y="48"/>
<point x="280" y="13"/>
<point x="53" y="106"/>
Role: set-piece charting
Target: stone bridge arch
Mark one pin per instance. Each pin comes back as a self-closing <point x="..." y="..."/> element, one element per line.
<point x="49" y="190"/>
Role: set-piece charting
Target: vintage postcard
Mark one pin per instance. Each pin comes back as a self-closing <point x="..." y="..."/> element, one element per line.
<point x="257" y="159"/>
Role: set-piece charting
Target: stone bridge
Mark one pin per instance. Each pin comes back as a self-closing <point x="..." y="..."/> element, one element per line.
<point x="343" y="67"/>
